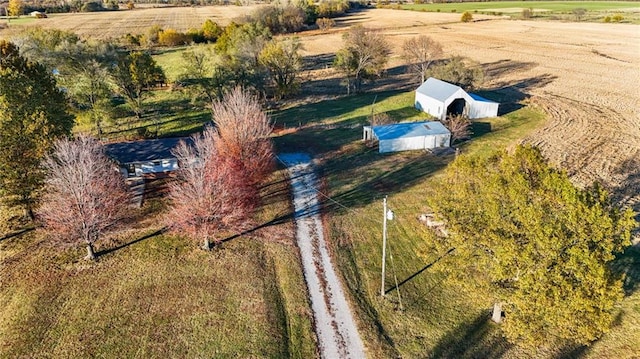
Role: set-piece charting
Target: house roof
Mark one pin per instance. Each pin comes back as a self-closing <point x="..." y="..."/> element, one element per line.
<point x="438" y="89"/>
<point x="143" y="151"/>
<point x="409" y="129"/>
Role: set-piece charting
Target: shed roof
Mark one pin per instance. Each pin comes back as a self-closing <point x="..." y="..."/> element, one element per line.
<point x="438" y="89"/>
<point x="143" y="151"/>
<point x="409" y="129"/>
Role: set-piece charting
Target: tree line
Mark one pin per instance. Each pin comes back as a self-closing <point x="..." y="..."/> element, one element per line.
<point x="69" y="185"/>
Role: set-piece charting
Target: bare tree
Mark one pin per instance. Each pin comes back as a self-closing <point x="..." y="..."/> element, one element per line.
<point x="420" y="52"/>
<point x="211" y="195"/>
<point x="243" y="131"/>
<point x="85" y="195"/>
<point x="459" y="126"/>
<point x="363" y="57"/>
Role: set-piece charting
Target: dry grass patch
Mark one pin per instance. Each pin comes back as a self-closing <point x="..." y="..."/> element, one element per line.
<point x="154" y="295"/>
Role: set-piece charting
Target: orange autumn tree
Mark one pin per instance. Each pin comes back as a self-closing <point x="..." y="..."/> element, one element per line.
<point x="212" y="194"/>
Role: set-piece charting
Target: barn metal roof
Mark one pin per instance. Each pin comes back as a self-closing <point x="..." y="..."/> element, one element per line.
<point x="437" y="89"/>
<point x="143" y="151"/>
<point x="409" y="129"/>
<point x="480" y="98"/>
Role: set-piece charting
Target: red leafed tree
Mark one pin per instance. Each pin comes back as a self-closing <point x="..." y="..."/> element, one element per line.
<point x="85" y="195"/>
<point x="212" y="194"/>
<point x="243" y="131"/>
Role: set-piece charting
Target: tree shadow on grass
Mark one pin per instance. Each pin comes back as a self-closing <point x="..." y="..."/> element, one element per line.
<point x="316" y="112"/>
<point x="417" y="273"/>
<point x="628" y="264"/>
<point x="376" y="175"/>
<point x="478" y="338"/>
<point x="281" y="219"/>
<point x="17" y="233"/>
<point x="125" y="245"/>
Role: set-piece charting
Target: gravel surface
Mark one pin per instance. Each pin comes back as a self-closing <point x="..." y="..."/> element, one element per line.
<point x="334" y="324"/>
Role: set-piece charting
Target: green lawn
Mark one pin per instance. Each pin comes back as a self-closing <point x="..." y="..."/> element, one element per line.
<point x="434" y="315"/>
<point x="158" y="295"/>
<point x="502" y="6"/>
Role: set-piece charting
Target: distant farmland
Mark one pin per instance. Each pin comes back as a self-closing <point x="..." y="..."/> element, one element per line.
<point x="516" y="6"/>
<point x="112" y="24"/>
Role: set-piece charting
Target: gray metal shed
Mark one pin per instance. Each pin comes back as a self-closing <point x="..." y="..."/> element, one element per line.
<point x="408" y="136"/>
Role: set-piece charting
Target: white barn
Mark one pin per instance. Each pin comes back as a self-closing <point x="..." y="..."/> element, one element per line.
<point x="408" y="136"/>
<point x="439" y="99"/>
<point x="139" y="158"/>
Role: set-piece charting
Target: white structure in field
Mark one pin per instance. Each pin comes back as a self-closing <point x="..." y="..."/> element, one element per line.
<point x="440" y="99"/>
<point x="408" y="136"/>
<point x="137" y="158"/>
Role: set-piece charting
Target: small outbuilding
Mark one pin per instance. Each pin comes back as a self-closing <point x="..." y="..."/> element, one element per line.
<point x="38" y="14"/>
<point x="408" y="136"/>
<point x="137" y="158"/>
<point x="441" y="99"/>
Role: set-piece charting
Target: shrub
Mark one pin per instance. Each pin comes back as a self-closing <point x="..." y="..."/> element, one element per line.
<point x="195" y="36"/>
<point x="171" y="37"/>
<point x="132" y="39"/>
<point x="527" y="13"/>
<point x="91" y="7"/>
<point x="617" y="17"/>
<point x="437" y="10"/>
<point x="579" y="13"/>
<point x="131" y="5"/>
<point x="152" y="35"/>
<point x="211" y="30"/>
<point x="454" y="10"/>
<point x="325" y="23"/>
<point x="466" y="17"/>
<point x="607" y="19"/>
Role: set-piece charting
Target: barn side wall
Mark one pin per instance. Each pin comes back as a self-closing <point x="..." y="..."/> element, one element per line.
<point x="481" y="109"/>
<point x="414" y="143"/>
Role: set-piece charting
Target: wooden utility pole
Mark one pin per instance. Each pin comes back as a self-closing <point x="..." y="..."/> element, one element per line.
<point x="384" y="241"/>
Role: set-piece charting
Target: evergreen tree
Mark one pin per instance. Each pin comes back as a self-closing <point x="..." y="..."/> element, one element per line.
<point x="542" y="246"/>
<point x="33" y="114"/>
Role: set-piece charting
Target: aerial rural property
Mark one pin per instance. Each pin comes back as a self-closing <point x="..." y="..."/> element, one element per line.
<point x="319" y="179"/>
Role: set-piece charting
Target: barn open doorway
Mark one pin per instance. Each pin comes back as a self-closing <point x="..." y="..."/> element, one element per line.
<point x="457" y="107"/>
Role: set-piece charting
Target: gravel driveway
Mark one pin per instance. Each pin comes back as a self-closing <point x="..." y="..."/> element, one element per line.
<point x="334" y="324"/>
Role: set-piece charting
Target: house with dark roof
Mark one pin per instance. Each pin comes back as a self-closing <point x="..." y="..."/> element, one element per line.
<point x="137" y="158"/>
<point x="408" y="136"/>
<point x="441" y="99"/>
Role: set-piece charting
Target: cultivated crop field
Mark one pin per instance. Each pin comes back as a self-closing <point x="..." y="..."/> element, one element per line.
<point x="113" y="24"/>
